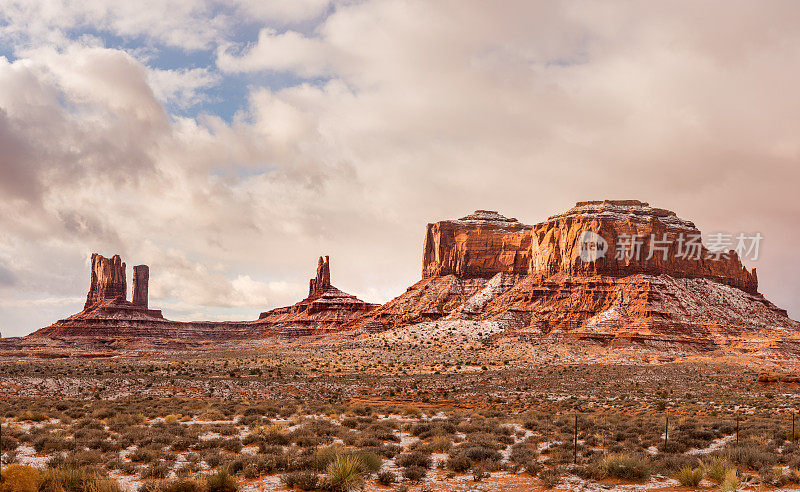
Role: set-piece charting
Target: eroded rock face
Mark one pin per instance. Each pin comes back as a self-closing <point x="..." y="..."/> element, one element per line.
<point x="658" y="242"/>
<point x="476" y="246"/>
<point x="141" y="280"/>
<point x="632" y="231"/>
<point x="107" y="280"/>
<point x="475" y="269"/>
<point x="325" y="309"/>
<point x="322" y="281"/>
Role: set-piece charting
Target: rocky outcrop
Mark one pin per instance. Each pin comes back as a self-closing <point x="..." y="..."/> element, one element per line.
<point x="107" y="280"/>
<point x="639" y="239"/>
<point x="111" y="322"/>
<point x="322" y="281"/>
<point x="589" y="275"/>
<point x="476" y="246"/>
<point x="615" y="272"/>
<point x="141" y="280"/>
<point x="325" y="309"/>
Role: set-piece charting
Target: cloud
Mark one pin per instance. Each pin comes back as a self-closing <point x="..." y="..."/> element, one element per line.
<point x="280" y="12"/>
<point x="187" y="24"/>
<point x="363" y="121"/>
<point x="183" y="87"/>
<point x="288" y="51"/>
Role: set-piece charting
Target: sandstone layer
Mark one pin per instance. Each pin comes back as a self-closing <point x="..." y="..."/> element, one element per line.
<point x="107" y="280"/>
<point x="326" y="309"/>
<point x="478" y="245"/>
<point x="640" y="239"/>
<point x="111" y="323"/>
<point x="642" y="278"/>
<point x="537" y="282"/>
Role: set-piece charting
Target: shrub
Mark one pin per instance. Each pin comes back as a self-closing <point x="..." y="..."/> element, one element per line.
<point x="9" y="443"/>
<point x="690" y="477"/>
<point x="550" y="477"/>
<point x="233" y="445"/>
<point x="414" y="473"/>
<point x="20" y="478"/>
<point x="387" y="477"/>
<point x="415" y="459"/>
<point x="220" y="481"/>
<point x="625" y="466"/>
<point x="156" y="470"/>
<point x="302" y="480"/>
<point x="717" y="469"/>
<point x="76" y="480"/>
<point x="753" y="456"/>
<point x="458" y="463"/>
<point x="344" y="473"/>
<point x="523" y="453"/>
<point x="183" y="485"/>
<point x="143" y="455"/>
<point x="50" y="444"/>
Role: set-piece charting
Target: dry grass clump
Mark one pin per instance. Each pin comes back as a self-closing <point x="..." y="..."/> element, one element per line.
<point x="344" y="473"/>
<point x="76" y="480"/>
<point x="690" y="477"/>
<point x="718" y="469"/>
<point x="19" y="478"/>
<point x="629" y="467"/>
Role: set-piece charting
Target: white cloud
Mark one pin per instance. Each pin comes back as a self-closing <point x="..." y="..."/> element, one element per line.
<point x="288" y="51"/>
<point x="429" y="111"/>
<point x="183" y="87"/>
<point x="186" y="24"/>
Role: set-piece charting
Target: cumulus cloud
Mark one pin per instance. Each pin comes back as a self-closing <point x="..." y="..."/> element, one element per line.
<point x="182" y="87"/>
<point x="371" y="120"/>
<point x="288" y="51"/>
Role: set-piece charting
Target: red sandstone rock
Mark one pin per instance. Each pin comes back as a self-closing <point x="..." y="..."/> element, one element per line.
<point x="141" y="280"/>
<point x="107" y="280"/>
<point x="478" y="245"/>
<point x="322" y="281"/>
<point x="486" y="243"/>
<point x="473" y="269"/>
<point x="556" y="245"/>
<point x="531" y="280"/>
<point x="325" y="309"/>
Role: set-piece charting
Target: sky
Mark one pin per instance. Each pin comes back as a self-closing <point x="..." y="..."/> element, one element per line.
<point x="229" y="143"/>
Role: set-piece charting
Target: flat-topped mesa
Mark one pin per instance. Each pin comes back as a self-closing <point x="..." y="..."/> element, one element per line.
<point x="479" y="245"/>
<point x="322" y="282"/>
<point x="631" y="231"/>
<point x="107" y="280"/>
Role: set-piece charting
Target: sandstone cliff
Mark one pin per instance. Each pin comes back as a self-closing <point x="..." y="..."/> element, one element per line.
<point x="478" y="245"/>
<point x="544" y="282"/>
<point x="107" y="280"/>
<point x="538" y="281"/>
<point x="640" y="240"/>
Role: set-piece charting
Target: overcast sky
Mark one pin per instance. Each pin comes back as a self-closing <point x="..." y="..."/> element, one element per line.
<point x="228" y="143"/>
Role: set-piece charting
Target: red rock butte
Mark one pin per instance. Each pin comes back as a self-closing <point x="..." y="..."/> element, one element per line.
<point x="532" y="281"/>
<point x="535" y="282"/>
